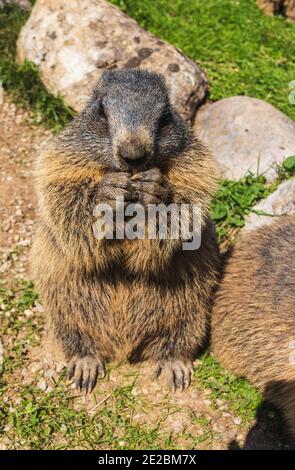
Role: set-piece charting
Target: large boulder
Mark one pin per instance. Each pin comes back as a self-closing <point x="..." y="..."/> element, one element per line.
<point x="281" y="202"/>
<point x="73" y="42"/>
<point x="246" y="134"/>
<point x="275" y="7"/>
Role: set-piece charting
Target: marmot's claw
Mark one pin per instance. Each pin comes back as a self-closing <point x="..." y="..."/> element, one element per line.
<point x="152" y="175"/>
<point x="178" y="373"/>
<point x="84" y="371"/>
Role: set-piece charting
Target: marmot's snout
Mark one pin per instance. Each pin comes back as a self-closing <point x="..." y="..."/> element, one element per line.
<point x="133" y="155"/>
<point x="134" y="148"/>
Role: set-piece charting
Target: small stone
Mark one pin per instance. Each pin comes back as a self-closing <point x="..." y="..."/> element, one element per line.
<point x="177" y="426"/>
<point x="281" y="202"/>
<point x="28" y="313"/>
<point x="36" y="367"/>
<point x="237" y="421"/>
<point x="39" y="307"/>
<point x="49" y="373"/>
<point x="42" y="385"/>
<point x="59" y="367"/>
<point x="26" y="242"/>
<point x="231" y="435"/>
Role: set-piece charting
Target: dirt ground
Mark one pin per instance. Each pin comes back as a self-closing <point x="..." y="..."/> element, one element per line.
<point x="186" y="414"/>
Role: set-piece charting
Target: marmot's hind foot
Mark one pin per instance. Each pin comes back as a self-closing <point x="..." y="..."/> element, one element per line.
<point x="84" y="371"/>
<point x="179" y="373"/>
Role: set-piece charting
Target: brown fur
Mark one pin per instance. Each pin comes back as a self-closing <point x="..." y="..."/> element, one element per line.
<point x="113" y="299"/>
<point x="253" y="319"/>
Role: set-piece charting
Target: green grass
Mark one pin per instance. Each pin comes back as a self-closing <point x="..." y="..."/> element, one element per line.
<point x="243" y="51"/>
<point x="234" y="200"/>
<point x="22" y="81"/>
<point x="242" y="397"/>
<point x="14" y="301"/>
<point x="50" y="421"/>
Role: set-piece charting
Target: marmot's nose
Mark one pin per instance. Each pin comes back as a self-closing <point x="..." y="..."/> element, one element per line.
<point x="133" y="155"/>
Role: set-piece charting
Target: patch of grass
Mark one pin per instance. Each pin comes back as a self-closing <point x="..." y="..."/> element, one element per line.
<point x="18" y="332"/>
<point x="20" y="297"/>
<point x="50" y="421"/>
<point x="243" y="51"/>
<point x="23" y="81"/>
<point x="287" y="169"/>
<point x="242" y="397"/>
<point x="234" y="200"/>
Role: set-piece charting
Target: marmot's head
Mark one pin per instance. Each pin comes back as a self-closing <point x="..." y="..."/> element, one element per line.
<point x="129" y="122"/>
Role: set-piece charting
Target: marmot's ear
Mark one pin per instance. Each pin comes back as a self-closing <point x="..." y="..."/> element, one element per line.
<point x="162" y="78"/>
<point x="105" y="79"/>
<point x="96" y="92"/>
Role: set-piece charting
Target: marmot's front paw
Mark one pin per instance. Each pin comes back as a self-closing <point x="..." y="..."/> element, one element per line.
<point x="85" y="371"/>
<point x="150" y="186"/>
<point x="115" y="185"/>
<point x="178" y="373"/>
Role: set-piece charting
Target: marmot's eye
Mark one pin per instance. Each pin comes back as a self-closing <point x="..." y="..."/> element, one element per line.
<point x="165" y="120"/>
<point x="100" y="110"/>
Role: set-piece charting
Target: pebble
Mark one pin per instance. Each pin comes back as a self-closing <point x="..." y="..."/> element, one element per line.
<point x="59" y="366"/>
<point x="231" y="435"/>
<point x="42" y="385"/>
<point x="49" y="373"/>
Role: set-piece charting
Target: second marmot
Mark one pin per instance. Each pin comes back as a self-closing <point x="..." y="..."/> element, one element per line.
<point x="253" y="318"/>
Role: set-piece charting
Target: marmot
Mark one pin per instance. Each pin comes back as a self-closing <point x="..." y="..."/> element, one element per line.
<point x="124" y="299"/>
<point x="253" y="318"/>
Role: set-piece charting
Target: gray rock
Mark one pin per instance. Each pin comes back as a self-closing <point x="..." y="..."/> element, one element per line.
<point x="281" y="202"/>
<point x="246" y="134"/>
<point x="73" y="42"/>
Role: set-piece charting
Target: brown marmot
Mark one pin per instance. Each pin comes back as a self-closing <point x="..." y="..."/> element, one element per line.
<point x="124" y="299"/>
<point x="253" y="318"/>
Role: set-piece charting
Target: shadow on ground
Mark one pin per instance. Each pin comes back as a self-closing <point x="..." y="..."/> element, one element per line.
<point x="270" y="431"/>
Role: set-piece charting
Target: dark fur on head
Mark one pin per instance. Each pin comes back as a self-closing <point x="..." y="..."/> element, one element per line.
<point x="129" y="122"/>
